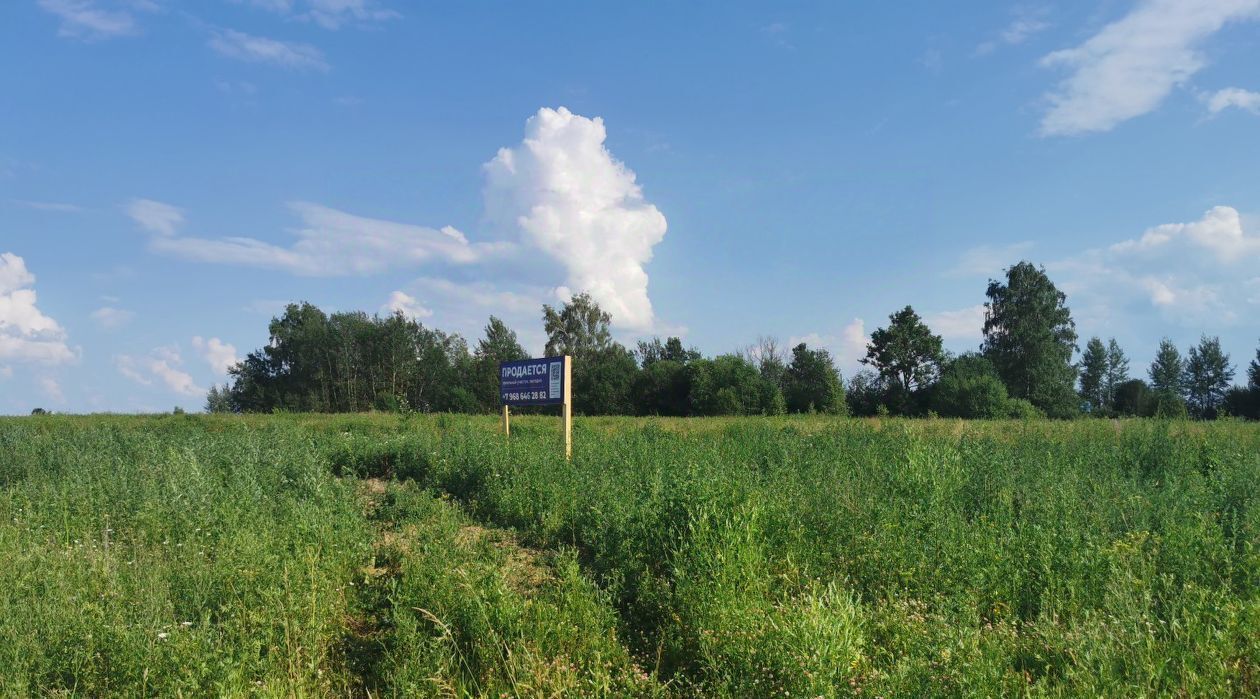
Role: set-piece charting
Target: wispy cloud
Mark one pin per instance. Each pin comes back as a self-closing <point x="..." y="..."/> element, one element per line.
<point x="990" y="260"/>
<point x="334" y="243"/>
<point x="962" y="324"/>
<point x="83" y="19"/>
<point x="261" y="49"/>
<point x="112" y="318"/>
<point x="1027" y="22"/>
<point x="1235" y="97"/>
<point x="162" y="365"/>
<point x="51" y="206"/>
<point x="1129" y="67"/>
<point x="155" y="216"/>
<point x="330" y="14"/>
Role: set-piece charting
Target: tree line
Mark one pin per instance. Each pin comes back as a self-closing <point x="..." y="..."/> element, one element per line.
<point x="353" y="362"/>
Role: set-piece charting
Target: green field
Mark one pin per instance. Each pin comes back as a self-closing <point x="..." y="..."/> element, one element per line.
<point x="428" y="556"/>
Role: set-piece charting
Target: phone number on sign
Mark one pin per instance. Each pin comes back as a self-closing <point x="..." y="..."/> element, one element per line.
<point x="526" y="395"/>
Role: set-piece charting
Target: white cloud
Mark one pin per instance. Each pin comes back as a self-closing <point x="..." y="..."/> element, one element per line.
<point x="111" y="318"/>
<point x="570" y="198"/>
<point x="1132" y="64"/>
<point x="1027" y="22"/>
<point x="52" y="389"/>
<point x="1245" y="100"/>
<point x="155" y="216"/>
<point x="329" y="14"/>
<point x="847" y="348"/>
<point x="220" y="355"/>
<point x="82" y="19"/>
<point x="6" y="372"/>
<point x="962" y="324"/>
<point x="1220" y="232"/>
<point x="162" y="364"/>
<point x="52" y="206"/>
<point x="990" y="260"/>
<point x="26" y="334"/>
<point x="1193" y="274"/>
<point x="485" y="295"/>
<point x="260" y="49"/>
<point x="407" y="305"/>
<point x="334" y="243"/>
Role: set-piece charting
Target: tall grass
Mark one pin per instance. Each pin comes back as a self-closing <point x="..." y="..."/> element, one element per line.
<point x="724" y="557"/>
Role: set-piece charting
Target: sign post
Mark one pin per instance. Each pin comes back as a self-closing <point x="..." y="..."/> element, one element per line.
<point x="545" y="381"/>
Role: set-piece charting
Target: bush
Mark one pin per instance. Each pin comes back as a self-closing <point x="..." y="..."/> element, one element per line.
<point x="970" y="388"/>
<point x="1020" y="409"/>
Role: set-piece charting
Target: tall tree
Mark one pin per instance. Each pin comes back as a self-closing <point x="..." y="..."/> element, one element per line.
<point x="578" y="328"/>
<point x="906" y="353"/>
<point x="1168" y="371"/>
<point x="498" y="345"/>
<point x="1030" y="337"/>
<point x="603" y="370"/>
<point x="811" y="383"/>
<point x="1094" y="375"/>
<point x="1117" y="372"/>
<point x="767" y="355"/>
<point x="1253" y="372"/>
<point x="671" y="350"/>
<point x="1208" y="377"/>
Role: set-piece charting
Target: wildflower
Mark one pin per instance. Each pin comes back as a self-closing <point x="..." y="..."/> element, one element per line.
<point x="162" y="636"/>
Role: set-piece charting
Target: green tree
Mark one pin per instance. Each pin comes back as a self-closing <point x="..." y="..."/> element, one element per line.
<point x="1168" y="371"/>
<point x="671" y="350"/>
<point x="1208" y="377"/>
<point x="1093" y="370"/>
<point x="1133" y="398"/>
<point x="812" y="384"/>
<point x="603" y="370"/>
<point x="219" y="400"/>
<point x="865" y="393"/>
<point x="906" y="354"/>
<point x="730" y="385"/>
<point x="579" y="328"/>
<point x="1030" y="337"/>
<point x="767" y="356"/>
<point x="1253" y="372"/>
<point x="498" y="345"/>
<point x="1117" y="372"/>
<point x="970" y="388"/>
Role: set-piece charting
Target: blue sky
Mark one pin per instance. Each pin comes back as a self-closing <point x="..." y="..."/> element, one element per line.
<point x="171" y="173"/>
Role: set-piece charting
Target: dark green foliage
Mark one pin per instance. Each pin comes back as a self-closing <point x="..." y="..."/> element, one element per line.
<point x="1030" y="337"/>
<point x="812" y="384"/>
<point x="652" y="351"/>
<point x="970" y="388"/>
<point x="864" y="394"/>
<point x="219" y="400"/>
<point x="663" y="387"/>
<point x="906" y="354"/>
<point x="351" y="362"/>
<point x="1168" y="371"/>
<point x="1134" y="399"/>
<point x="1093" y="370"/>
<point x="603" y="370"/>
<point x="729" y="385"/>
<point x="1117" y="372"/>
<point x="1208" y="377"/>
<point x="602" y="381"/>
<point x="499" y="345"/>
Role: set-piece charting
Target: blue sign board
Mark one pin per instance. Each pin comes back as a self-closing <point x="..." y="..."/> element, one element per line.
<point x="532" y="381"/>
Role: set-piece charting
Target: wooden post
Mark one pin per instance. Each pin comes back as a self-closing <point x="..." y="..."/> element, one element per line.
<point x="568" y="407"/>
<point x="507" y="421"/>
